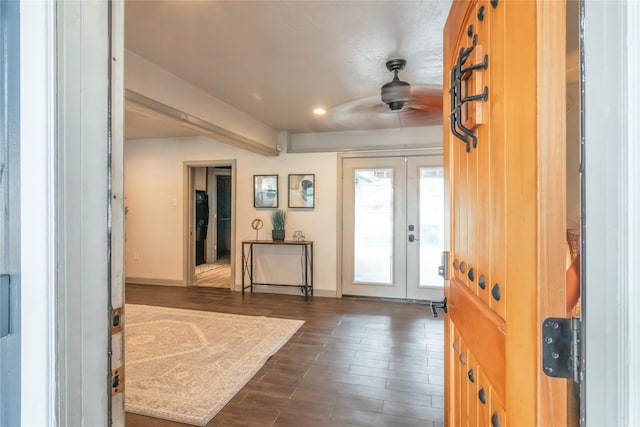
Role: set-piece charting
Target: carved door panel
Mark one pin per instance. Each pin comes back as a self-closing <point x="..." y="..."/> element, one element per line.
<point x="496" y="235"/>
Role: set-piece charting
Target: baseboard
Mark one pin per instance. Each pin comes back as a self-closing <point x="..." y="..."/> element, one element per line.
<point x="153" y="281"/>
<point x="325" y="293"/>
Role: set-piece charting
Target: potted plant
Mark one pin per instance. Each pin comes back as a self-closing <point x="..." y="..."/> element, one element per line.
<point x="278" y="220"/>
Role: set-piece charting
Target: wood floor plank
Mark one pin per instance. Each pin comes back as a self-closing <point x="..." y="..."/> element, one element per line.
<point x="427" y="413"/>
<point x="421" y="377"/>
<point x="310" y="396"/>
<point x="373" y="419"/>
<point x="294" y="420"/>
<point x="354" y="362"/>
<point x="317" y="411"/>
<point x="413" y="387"/>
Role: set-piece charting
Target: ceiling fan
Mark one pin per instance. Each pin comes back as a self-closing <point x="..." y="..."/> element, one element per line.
<point x="396" y="94"/>
<point x="399" y="105"/>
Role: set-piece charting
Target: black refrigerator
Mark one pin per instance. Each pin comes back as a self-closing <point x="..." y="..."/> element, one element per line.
<point x="202" y="224"/>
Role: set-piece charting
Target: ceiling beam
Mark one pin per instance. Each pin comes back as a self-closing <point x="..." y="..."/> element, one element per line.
<point x="141" y="104"/>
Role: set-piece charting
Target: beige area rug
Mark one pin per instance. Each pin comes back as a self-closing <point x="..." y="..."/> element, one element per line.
<point x="185" y="365"/>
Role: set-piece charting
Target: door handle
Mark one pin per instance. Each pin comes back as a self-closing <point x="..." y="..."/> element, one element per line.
<point x="412" y="238"/>
<point x="443" y="270"/>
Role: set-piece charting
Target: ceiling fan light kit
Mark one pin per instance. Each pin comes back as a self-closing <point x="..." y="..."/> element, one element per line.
<point x="396" y="93"/>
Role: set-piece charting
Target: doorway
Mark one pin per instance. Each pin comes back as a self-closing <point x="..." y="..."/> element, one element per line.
<point x="211" y="227"/>
<point x="393" y="224"/>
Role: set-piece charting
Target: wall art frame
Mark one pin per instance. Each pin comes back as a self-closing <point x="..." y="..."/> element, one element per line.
<point x="301" y="190"/>
<point x="265" y="191"/>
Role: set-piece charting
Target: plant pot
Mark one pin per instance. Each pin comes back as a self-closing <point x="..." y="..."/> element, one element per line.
<point x="277" y="234"/>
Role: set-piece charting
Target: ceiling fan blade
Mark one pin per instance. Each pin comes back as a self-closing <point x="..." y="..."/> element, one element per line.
<point x="423" y="109"/>
<point x="427" y="98"/>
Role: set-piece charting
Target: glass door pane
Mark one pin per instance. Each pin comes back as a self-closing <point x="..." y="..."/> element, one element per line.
<point x="425" y="230"/>
<point x="373" y="226"/>
<point x="431" y="226"/>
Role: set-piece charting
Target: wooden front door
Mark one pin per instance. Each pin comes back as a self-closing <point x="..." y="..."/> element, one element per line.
<point x="504" y="175"/>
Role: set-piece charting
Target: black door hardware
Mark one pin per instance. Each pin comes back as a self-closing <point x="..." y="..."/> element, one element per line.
<point x="458" y="97"/>
<point x="439" y="304"/>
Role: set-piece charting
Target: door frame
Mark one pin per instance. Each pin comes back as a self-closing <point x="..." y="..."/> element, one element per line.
<point x="339" y="205"/>
<point x="612" y="206"/>
<point x="37" y="80"/>
<point x="551" y="207"/>
<point x="38" y="32"/>
<point x="188" y="240"/>
<point x="64" y="102"/>
<point x="10" y="339"/>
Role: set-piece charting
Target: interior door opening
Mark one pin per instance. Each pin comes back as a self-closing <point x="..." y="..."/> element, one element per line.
<point x="211" y="225"/>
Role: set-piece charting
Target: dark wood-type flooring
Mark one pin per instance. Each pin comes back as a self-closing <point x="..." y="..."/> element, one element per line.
<point x="354" y="362"/>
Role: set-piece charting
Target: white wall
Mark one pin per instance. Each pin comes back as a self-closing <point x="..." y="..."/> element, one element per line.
<point x="154" y="226"/>
<point x="153" y="204"/>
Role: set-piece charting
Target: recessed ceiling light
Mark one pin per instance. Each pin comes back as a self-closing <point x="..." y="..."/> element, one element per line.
<point x="319" y="111"/>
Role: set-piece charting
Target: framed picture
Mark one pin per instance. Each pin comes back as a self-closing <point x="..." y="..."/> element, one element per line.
<point x="265" y="191"/>
<point x="302" y="190"/>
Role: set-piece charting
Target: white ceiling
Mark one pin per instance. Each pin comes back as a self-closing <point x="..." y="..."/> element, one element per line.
<point x="277" y="60"/>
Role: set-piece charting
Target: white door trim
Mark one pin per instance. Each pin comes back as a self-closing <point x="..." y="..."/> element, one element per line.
<point x="80" y="161"/>
<point x="188" y="241"/>
<point x="632" y="354"/>
<point x="10" y="230"/>
<point x="116" y="240"/>
<point x="611" y="44"/>
<point x="37" y="145"/>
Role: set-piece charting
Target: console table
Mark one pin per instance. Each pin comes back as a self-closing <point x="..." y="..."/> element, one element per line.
<point x="248" y="255"/>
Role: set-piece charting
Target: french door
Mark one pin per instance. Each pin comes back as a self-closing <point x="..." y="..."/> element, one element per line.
<point x="393" y="224"/>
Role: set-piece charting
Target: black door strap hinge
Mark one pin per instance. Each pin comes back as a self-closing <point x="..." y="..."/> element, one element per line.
<point x="561" y="347"/>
